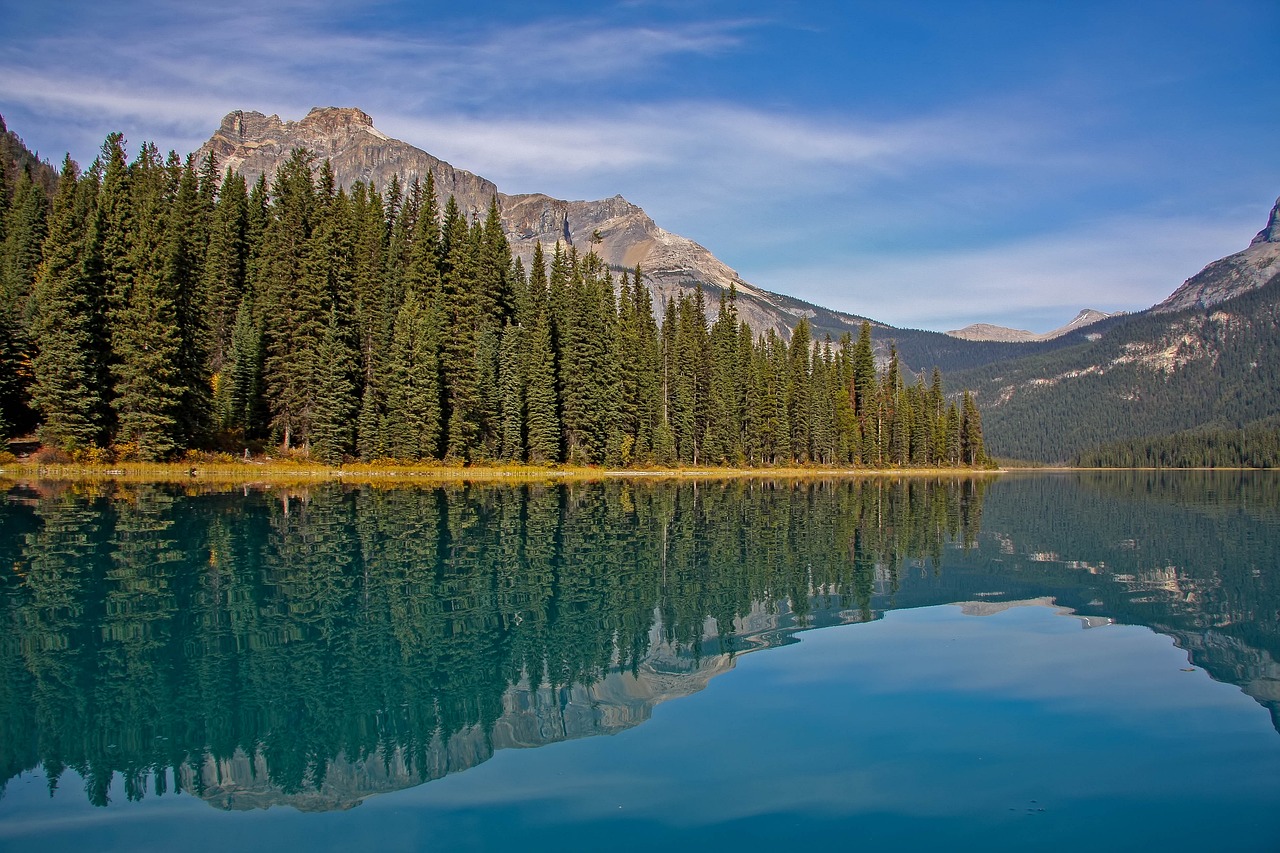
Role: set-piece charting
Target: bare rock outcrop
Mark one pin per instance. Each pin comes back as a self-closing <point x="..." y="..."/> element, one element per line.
<point x="254" y="144"/>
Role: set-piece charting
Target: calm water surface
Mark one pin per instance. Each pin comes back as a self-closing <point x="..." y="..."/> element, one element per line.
<point x="1038" y="661"/>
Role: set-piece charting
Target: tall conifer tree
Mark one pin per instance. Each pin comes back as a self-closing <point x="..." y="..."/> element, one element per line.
<point x="68" y="366"/>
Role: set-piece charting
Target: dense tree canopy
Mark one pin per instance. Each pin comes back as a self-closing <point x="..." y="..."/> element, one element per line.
<point x="154" y="307"/>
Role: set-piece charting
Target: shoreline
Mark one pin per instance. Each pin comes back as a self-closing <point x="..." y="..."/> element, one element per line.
<point x="275" y="472"/>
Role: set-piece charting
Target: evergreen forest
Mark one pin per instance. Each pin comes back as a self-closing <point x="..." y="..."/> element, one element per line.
<point x="155" y="307"/>
<point x="1255" y="445"/>
<point x="1186" y="384"/>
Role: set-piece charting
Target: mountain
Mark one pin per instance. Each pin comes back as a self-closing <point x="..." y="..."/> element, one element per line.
<point x="988" y="332"/>
<point x="619" y="231"/>
<point x="1233" y="275"/>
<point x="1205" y="359"/>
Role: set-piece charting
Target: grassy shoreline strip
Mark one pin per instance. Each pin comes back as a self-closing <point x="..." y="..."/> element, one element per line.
<point x="250" y="472"/>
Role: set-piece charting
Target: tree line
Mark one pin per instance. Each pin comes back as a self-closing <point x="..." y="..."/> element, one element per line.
<point x="155" y="307"/>
<point x="1253" y="445"/>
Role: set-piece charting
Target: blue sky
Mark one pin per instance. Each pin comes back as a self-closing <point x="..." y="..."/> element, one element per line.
<point x="929" y="164"/>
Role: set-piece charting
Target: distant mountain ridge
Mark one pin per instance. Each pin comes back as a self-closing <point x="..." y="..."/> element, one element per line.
<point x="988" y="332"/>
<point x="1206" y="358"/>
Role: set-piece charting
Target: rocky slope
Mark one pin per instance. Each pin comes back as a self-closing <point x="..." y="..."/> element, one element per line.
<point x="1233" y="275"/>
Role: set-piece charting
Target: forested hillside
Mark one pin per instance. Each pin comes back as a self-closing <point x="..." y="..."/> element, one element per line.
<point x="1254" y="445"/>
<point x="1150" y="375"/>
<point x="166" y="308"/>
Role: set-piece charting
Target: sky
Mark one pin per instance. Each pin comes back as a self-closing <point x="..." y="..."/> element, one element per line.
<point x="926" y="164"/>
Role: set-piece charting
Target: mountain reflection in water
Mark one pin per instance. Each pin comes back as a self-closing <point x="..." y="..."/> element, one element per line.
<point x="316" y="646"/>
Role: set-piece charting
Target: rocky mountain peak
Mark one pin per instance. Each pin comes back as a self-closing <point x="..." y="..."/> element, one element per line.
<point x="1003" y="334"/>
<point x="330" y="119"/>
<point x="1271" y="233"/>
<point x="1234" y="275"/>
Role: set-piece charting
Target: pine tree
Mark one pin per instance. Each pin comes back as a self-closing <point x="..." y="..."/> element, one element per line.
<point x="293" y="307"/>
<point x="414" y="417"/>
<point x="68" y="367"/>
<point x="541" y="400"/>
<point x="333" y="425"/>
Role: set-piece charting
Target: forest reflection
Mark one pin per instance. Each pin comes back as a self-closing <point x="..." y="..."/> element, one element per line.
<point x="316" y="645"/>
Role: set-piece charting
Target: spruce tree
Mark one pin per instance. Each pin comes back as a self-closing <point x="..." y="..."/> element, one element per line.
<point x="799" y="391"/>
<point x="182" y="268"/>
<point x="511" y="387"/>
<point x="23" y="233"/>
<point x="294" y="309"/>
<point x="242" y="405"/>
<point x="541" y="399"/>
<point x="25" y="224"/>
<point x="68" y="367"/>
<point x="146" y="338"/>
<point x="972" y="450"/>
<point x="459" y="336"/>
<point x="333" y="422"/>
<point x="414" y="418"/>
<point x="224" y="277"/>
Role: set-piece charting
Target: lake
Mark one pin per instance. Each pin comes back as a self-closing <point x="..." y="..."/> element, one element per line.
<point x="1032" y="660"/>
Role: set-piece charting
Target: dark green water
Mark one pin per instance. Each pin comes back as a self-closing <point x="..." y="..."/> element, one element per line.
<point x="1041" y="661"/>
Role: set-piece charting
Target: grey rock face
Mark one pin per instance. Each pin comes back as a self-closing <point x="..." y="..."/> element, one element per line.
<point x="1270" y="234"/>
<point x="254" y="144"/>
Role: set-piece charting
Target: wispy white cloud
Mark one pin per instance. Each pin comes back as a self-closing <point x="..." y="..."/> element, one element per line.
<point x="584" y="106"/>
<point x="288" y="58"/>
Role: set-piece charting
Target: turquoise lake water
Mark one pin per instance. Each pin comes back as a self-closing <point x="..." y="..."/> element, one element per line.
<point x="1031" y="661"/>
